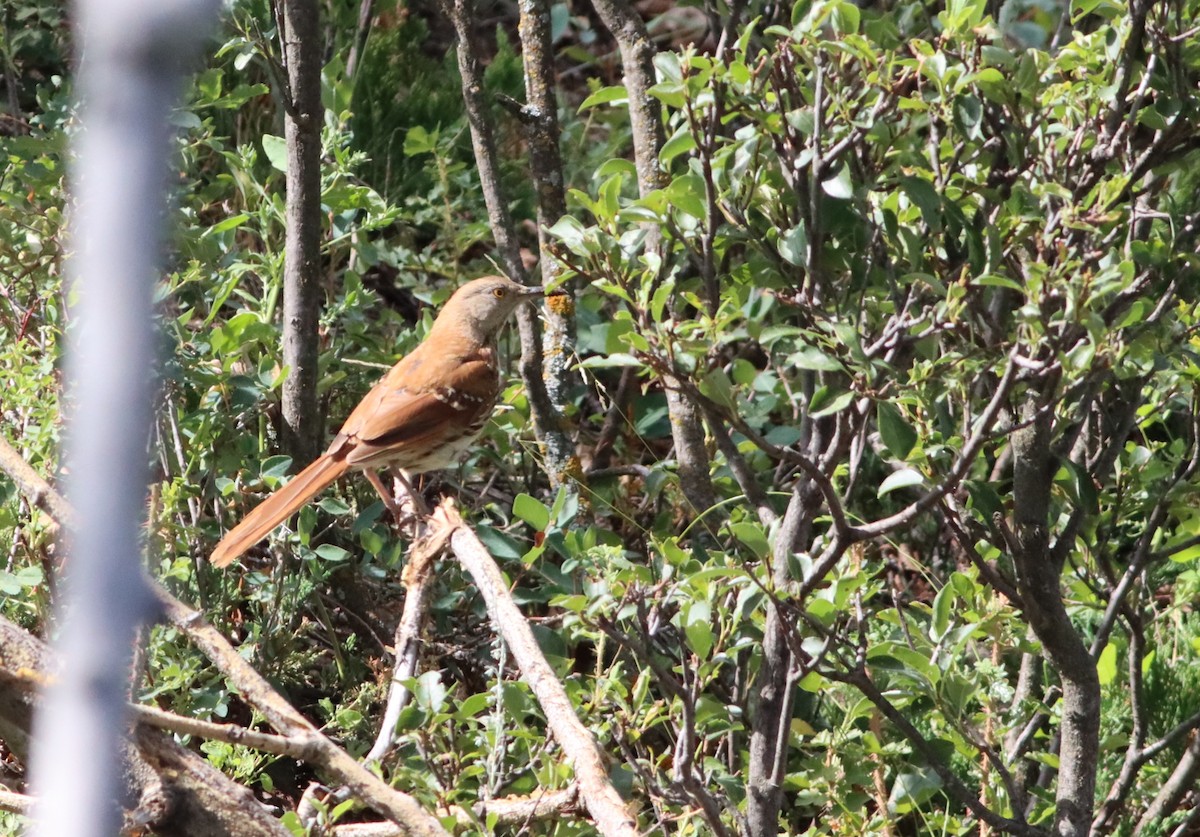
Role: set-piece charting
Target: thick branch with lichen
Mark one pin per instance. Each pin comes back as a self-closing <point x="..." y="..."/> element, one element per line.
<point x="546" y="417"/>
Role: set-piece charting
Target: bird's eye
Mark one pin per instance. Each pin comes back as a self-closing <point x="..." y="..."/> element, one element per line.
<point x="499" y="292"/>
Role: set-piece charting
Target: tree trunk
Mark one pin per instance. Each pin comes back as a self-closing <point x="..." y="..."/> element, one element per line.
<point x="1038" y="579"/>
<point x="771" y="702"/>
<point x="637" y="61"/>
<point x="542" y="132"/>
<point x="302" y="431"/>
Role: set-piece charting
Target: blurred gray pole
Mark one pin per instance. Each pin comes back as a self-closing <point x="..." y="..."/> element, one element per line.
<point x="133" y="56"/>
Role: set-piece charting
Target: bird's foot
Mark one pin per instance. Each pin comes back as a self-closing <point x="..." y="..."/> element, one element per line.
<point x="408" y="509"/>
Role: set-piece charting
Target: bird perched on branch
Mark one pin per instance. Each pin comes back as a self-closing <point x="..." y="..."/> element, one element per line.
<point x="421" y="416"/>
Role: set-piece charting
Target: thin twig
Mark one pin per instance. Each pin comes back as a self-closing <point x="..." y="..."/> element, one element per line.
<point x="417" y="578"/>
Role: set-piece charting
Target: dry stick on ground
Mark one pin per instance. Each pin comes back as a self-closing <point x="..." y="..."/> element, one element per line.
<point x="279" y="745"/>
<point x="399" y="807"/>
<point x="513" y="811"/>
<point x="508" y="810"/>
<point x="165" y="788"/>
<point x="256" y="691"/>
<point x="17" y="803"/>
<point x="607" y="809"/>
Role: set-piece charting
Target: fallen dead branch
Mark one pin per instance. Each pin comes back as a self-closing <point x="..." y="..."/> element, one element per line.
<point x="17" y="803"/>
<point x="300" y="739"/>
<point x="36" y="490"/>
<point x="399" y="807"/>
<point x="512" y="811"/>
<point x="167" y="788"/>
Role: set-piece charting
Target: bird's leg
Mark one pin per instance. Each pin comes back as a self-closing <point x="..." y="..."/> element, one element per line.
<point x="389" y="500"/>
<point x="406" y="506"/>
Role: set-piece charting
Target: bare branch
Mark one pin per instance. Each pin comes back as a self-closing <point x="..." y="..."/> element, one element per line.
<point x="302" y="431"/>
<point x="1182" y="780"/>
<point x="542" y="409"/>
<point x="30" y="483"/>
<point x="279" y="745"/>
<point x="17" y="803"/>
<point x="542" y="133"/>
<point x="603" y="802"/>
<point x="637" y="62"/>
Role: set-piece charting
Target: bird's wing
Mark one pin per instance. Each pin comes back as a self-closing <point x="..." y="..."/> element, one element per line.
<point x="394" y="416"/>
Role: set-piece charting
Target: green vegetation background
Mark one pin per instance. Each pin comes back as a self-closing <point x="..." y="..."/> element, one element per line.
<point x="973" y="203"/>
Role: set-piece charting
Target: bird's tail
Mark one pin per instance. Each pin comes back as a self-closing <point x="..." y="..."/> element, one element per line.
<point x="277" y="508"/>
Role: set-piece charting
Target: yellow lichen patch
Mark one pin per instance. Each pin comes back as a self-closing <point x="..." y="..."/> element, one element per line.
<point x="561" y="304"/>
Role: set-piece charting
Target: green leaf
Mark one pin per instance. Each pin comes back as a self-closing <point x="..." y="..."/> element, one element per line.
<point x="839" y="186"/>
<point x="717" y="386"/>
<point x="275" y="467"/>
<point x="610" y="361"/>
<point x="686" y="193"/>
<point x="333" y="505"/>
<point x="913" y="789"/>
<point x="1106" y="666"/>
<point x="900" y="479"/>
<point x="568" y="230"/>
<point x="430" y="691"/>
<point x="793" y="245"/>
<point x="276" y="150"/>
<point x="898" y="435"/>
<point x="331" y="552"/>
<point x="753" y="536"/>
<point x="827" y="400"/>
<point x="1078" y="482"/>
<point x="698" y="628"/>
<point x="683" y="142"/>
<point x="1187" y="555"/>
<point x="845" y="18"/>
<point x="923" y="196"/>
<point x="418" y="140"/>
<point x="604" y="96"/>
<point x="532" y="510"/>
<point x="228" y="224"/>
<point x="994" y="280"/>
<point x="943" y="604"/>
<point x="810" y="357"/>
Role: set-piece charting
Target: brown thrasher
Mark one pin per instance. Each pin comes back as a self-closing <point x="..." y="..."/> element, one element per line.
<point x="421" y="416"/>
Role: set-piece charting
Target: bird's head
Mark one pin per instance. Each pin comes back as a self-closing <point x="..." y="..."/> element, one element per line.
<point x="481" y="307"/>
